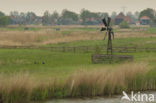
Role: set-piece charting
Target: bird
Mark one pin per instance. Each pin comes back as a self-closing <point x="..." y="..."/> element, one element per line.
<point x="43" y="62"/>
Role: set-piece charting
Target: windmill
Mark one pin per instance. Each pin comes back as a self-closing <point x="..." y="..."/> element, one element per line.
<point x="109" y="32"/>
<point x="109" y="57"/>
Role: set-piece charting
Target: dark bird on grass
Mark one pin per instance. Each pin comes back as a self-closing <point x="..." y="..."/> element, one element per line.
<point x="43" y="62"/>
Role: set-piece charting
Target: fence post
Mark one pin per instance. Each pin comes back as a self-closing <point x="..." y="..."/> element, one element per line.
<point x="74" y="49"/>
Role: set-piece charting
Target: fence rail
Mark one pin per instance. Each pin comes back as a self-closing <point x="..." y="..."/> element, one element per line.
<point x="84" y="49"/>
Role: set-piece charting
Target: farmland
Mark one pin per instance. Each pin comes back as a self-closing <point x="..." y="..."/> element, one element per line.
<point x="40" y="74"/>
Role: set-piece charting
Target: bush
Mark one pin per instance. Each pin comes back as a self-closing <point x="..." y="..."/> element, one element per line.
<point x="124" y="24"/>
<point x="4" y="20"/>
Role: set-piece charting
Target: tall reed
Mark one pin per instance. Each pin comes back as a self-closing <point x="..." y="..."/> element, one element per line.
<point x="23" y="88"/>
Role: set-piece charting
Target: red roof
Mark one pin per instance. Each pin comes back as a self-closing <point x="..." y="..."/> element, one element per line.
<point x="145" y="17"/>
<point x="125" y="18"/>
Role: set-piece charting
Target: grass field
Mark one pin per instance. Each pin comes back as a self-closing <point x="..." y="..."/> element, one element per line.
<point x="34" y="74"/>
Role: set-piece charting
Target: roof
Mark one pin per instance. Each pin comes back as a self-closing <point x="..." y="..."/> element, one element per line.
<point x="122" y="16"/>
<point x="145" y="17"/>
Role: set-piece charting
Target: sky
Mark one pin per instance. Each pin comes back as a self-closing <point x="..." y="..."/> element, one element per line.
<point x="39" y="6"/>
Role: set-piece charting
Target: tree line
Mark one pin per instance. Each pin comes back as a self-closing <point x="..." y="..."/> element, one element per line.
<point x="67" y="17"/>
<point x="4" y="20"/>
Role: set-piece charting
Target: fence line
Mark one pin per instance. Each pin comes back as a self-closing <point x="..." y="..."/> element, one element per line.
<point x="84" y="49"/>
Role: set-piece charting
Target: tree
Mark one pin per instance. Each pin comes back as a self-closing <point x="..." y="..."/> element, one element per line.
<point x="22" y="18"/>
<point x="30" y="17"/>
<point x="68" y="17"/>
<point x="84" y="15"/>
<point x="90" y="18"/>
<point x="2" y="14"/>
<point x="113" y="15"/>
<point x="136" y="14"/>
<point x="46" y="18"/>
<point x="129" y="14"/>
<point x="148" y="12"/>
<point x="14" y="17"/>
<point x="55" y="17"/>
<point x="104" y="15"/>
<point x="70" y="14"/>
<point x="132" y="17"/>
<point x="4" y="20"/>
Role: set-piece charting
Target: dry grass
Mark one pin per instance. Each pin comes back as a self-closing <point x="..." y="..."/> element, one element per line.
<point x="98" y="82"/>
<point x="106" y="81"/>
<point x="50" y="36"/>
<point x="15" y="88"/>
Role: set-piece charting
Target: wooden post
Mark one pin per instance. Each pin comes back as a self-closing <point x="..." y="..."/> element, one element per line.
<point x="74" y="49"/>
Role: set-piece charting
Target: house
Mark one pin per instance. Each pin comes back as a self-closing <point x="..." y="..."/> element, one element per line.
<point x="120" y="18"/>
<point x="144" y="20"/>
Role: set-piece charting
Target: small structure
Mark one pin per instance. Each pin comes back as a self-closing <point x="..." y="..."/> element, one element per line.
<point x="144" y="20"/>
<point x="102" y="58"/>
<point x="120" y="18"/>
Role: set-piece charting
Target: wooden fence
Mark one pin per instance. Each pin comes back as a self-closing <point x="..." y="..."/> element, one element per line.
<point x="84" y="49"/>
<point x="87" y="49"/>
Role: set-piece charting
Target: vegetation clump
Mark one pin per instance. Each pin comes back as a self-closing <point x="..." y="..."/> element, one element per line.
<point x="4" y="20"/>
<point x="124" y="24"/>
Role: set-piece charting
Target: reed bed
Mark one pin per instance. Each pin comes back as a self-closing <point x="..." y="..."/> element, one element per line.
<point x="23" y="88"/>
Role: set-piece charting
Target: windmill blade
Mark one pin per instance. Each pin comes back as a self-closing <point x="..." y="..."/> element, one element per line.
<point x="104" y="22"/>
<point x="109" y="20"/>
<point x="103" y="29"/>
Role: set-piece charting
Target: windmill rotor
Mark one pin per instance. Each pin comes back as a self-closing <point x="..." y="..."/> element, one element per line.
<point x="104" y="22"/>
<point x="107" y="27"/>
<point x="109" y="20"/>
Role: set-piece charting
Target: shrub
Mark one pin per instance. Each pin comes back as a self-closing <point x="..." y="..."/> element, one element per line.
<point x="4" y="20"/>
<point x="124" y="24"/>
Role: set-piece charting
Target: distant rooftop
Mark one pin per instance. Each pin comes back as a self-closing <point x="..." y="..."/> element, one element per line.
<point x="122" y="16"/>
<point x="145" y="17"/>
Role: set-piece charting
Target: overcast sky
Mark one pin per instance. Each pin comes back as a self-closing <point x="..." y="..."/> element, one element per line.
<point x="39" y="6"/>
